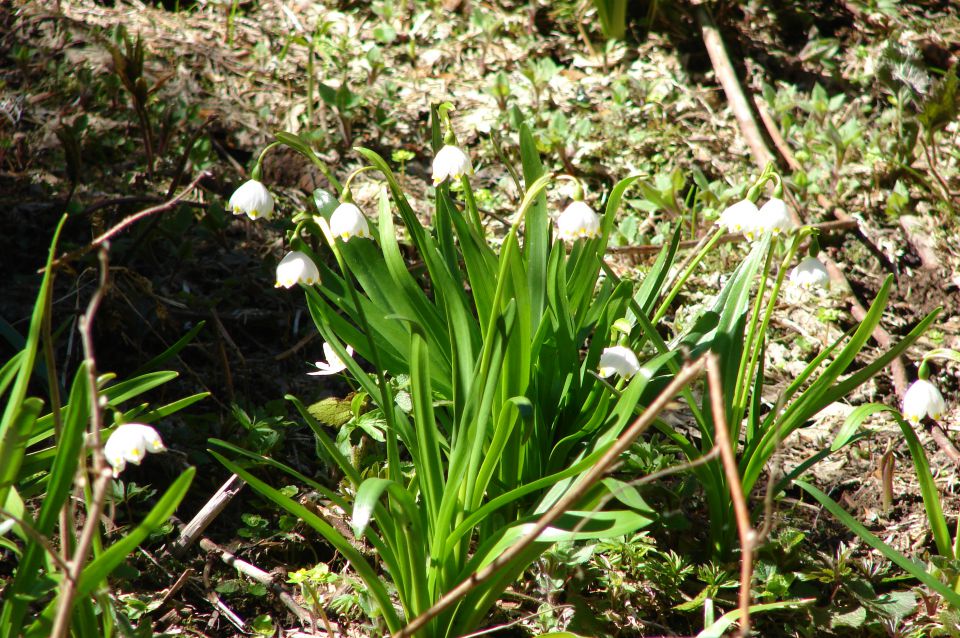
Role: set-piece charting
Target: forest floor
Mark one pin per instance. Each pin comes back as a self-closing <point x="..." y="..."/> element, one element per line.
<point x="857" y="119"/>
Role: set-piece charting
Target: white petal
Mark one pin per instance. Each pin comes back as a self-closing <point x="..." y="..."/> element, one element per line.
<point x="578" y="220"/>
<point x="129" y="444"/>
<point x="741" y="217"/>
<point x="450" y="162"/>
<point x="253" y="200"/>
<point x="333" y="364"/>
<point x="810" y="273"/>
<point x="620" y="360"/>
<point x="923" y="399"/>
<point x="775" y="218"/>
<point x="347" y="222"/>
<point x="296" y="267"/>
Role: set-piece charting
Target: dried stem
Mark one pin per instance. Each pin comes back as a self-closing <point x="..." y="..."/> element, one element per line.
<point x="101" y="471"/>
<point x="727" y="77"/>
<point x="728" y="459"/>
<point x="566" y="503"/>
<point x="132" y="219"/>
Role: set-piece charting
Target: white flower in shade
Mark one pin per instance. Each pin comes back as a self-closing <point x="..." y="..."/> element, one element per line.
<point x="129" y="443"/>
<point x="450" y="162"/>
<point x="578" y="220"/>
<point x="333" y="364"/>
<point x="618" y="360"/>
<point x="252" y="199"/>
<point x="773" y="217"/>
<point x="740" y="217"/>
<point x="347" y="222"/>
<point x="923" y="399"/>
<point x="810" y="274"/>
<point x="296" y="268"/>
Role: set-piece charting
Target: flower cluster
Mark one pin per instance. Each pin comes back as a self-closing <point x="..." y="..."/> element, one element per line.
<point x="744" y="217"/>
<point x="129" y="443"/>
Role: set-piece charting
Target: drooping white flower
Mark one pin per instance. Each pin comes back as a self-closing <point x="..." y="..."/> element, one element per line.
<point x="347" y="222"/>
<point x="129" y="443"/>
<point x="578" y="220"/>
<point x="740" y="217"/>
<point x="252" y="199"/>
<point x="296" y="268"/>
<point x="810" y="274"/>
<point x="450" y="162"/>
<point x="618" y="360"/>
<point x="773" y="217"/>
<point x="923" y="399"/>
<point x="333" y="364"/>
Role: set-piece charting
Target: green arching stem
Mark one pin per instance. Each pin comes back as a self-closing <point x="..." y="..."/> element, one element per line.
<point x="257" y="171"/>
<point x="578" y="186"/>
<point x="682" y="279"/>
<point x="346" y="195"/>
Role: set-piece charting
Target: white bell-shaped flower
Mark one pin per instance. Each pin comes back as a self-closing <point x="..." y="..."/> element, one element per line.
<point x="129" y="443"/>
<point x="810" y="274"/>
<point x="741" y="217"/>
<point x="773" y="217"/>
<point x="253" y="200"/>
<point x="296" y="268"/>
<point x="347" y="222"/>
<point x="450" y="162"/>
<point x="923" y="399"/>
<point x="578" y="220"/>
<point x="618" y="360"/>
<point x="333" y="364"/>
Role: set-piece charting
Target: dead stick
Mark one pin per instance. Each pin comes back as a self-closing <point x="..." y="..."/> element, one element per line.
<point x="727" y="77"/>
<point x="747" y="534"/>
<point x="123" y="225"/>
<point x="566" y="502"/>
<point x="211" y="510"/>
<point x="255" y="573"/>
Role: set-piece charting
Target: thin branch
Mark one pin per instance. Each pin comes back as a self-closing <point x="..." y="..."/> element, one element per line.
<point x="567" y="502"/>
<point x="264" y="578"/>
<point x="101" y="471"/>
<point x="729" y="461"/>
<point x="132" y="219"/>
<point x="217" y="503"/>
